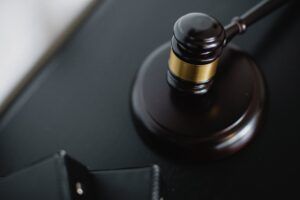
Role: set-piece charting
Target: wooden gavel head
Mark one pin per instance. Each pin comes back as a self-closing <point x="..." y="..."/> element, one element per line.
<point x="196" y="47"/>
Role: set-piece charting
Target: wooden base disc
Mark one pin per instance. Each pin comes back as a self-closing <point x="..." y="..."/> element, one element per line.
<point x="208" y="126"/>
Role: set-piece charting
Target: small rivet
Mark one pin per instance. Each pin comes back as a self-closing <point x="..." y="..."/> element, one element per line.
<point x="79" y="189"/>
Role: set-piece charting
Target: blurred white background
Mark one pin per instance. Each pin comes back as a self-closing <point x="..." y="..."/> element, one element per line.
<point x="30" y="31"/>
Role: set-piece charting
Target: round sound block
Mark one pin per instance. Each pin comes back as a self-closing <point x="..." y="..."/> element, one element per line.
<point x="208" y="126"/>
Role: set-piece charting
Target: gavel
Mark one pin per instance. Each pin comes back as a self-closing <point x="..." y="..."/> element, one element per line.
<point x="198" y="43"/>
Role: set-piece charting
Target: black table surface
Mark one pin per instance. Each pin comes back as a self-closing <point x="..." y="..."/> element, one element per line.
<point x="80" y="102"/>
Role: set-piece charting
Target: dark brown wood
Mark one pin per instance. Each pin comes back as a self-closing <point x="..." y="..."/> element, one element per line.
<point x="198" y="38"/>
<point x="240" y="24"/>
<point x="208" y="126"/>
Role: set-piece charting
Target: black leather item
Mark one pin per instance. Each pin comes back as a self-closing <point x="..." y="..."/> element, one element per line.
<point x="127" y="184"/>
<point x="62" y="178"/>
<point x="53" y="178"/>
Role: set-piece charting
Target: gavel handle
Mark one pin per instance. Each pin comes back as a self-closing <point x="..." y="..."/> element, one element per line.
<point x="240" y="24"/>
